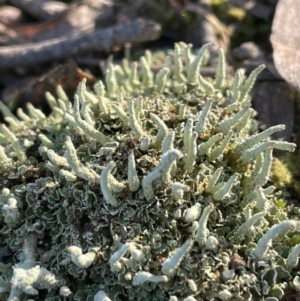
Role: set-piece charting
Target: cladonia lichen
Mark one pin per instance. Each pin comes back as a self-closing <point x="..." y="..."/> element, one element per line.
<point x="149" y="187"/>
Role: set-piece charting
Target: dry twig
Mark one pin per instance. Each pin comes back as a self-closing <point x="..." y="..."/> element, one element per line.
<point x="139" y="30"/>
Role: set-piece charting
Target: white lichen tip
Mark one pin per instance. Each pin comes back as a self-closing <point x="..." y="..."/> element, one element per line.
<point x="178" y="190"/>
<point x="11" y="212"/>
<point x="81" y="260"/>
<point x="101" y="296"/>
<point x="172" y="263"/>
<point x="142" y="277"/>
<point x="193" y="213"/>
<point x="105" y="184"/>
<point x="64" y="291"/>
<point x="259" y="252"/>
<point x="162" y="170"/>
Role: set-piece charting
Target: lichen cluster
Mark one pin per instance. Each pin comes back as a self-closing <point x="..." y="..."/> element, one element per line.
<point x="150" y="187"/>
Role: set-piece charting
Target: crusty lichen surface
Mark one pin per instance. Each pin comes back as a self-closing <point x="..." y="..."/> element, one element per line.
<point x="150" y="187"/>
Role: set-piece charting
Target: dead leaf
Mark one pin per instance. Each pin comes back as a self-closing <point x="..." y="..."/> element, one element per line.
<point x="33" y="90"/>
<point x="285" y="39"/>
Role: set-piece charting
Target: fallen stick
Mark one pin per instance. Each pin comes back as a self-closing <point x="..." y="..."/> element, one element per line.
<point x="139" y="30"/>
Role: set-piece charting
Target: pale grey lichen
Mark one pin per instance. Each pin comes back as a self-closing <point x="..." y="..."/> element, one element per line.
<point x="152" y="187"/>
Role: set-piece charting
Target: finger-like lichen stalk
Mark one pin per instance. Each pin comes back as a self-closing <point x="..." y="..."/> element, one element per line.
<point x="252" y="153"/>
<point x="242" y="230"/>
<point x="250" y="81"/>
<point x="23" y="116"/>
<point x="105" y="184"/>
<point x="111" y="80"/>
<point x="121" y="113"/>
<point x="193" y="71"/>
<point x="14" y="143"/>
<point x="244" y="120"/>
<point x="133" y="122"/>
<point x="57" y="159"/>
<point x="168" y="141"/>
<point x="259" y="252"/>
<point x="162" y="129"/>
<point x="229" y="123"/>
<point x="205" y="147"/>
<point x="256" y="139"/>
<point x="35" y="113"/>
<point x="161" y="80"/>
<point x="263" y="176"/>
<point x="114" y="260"/>
<point x="73" y="161"/>
<point x="202" y="123"/>
<point x="202" y="231"/>
<point x="70" y="176"/>
<point x="188" y="130"/>
<point x="293" y="260"/>
<point x="142" y="277"/>
<point x="147" y="74"/>
<point x="225" y="188"/>
<point x="13" y="123"/>
<point x="213" y="180"/>
<point x="236" y="83"/>
<point x="6" y="161"/>
<point x="221" y="70"/>
<point x="133" y="178"/>
<point x="262" y="203"/>
<point x="100" y="92"/>
<point x="177" y="73"/>
<point x="134" y="80"/>
<point x="162" y="170"/>
<point x="85" y="108"/>
<point x="207" y="86"/>
<point x="192" y="153"/>
<point x="46" y="141"/>
<point x="87" y="128"/>
<point x="173" y="262"/>
<point x="217" y="153"/>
